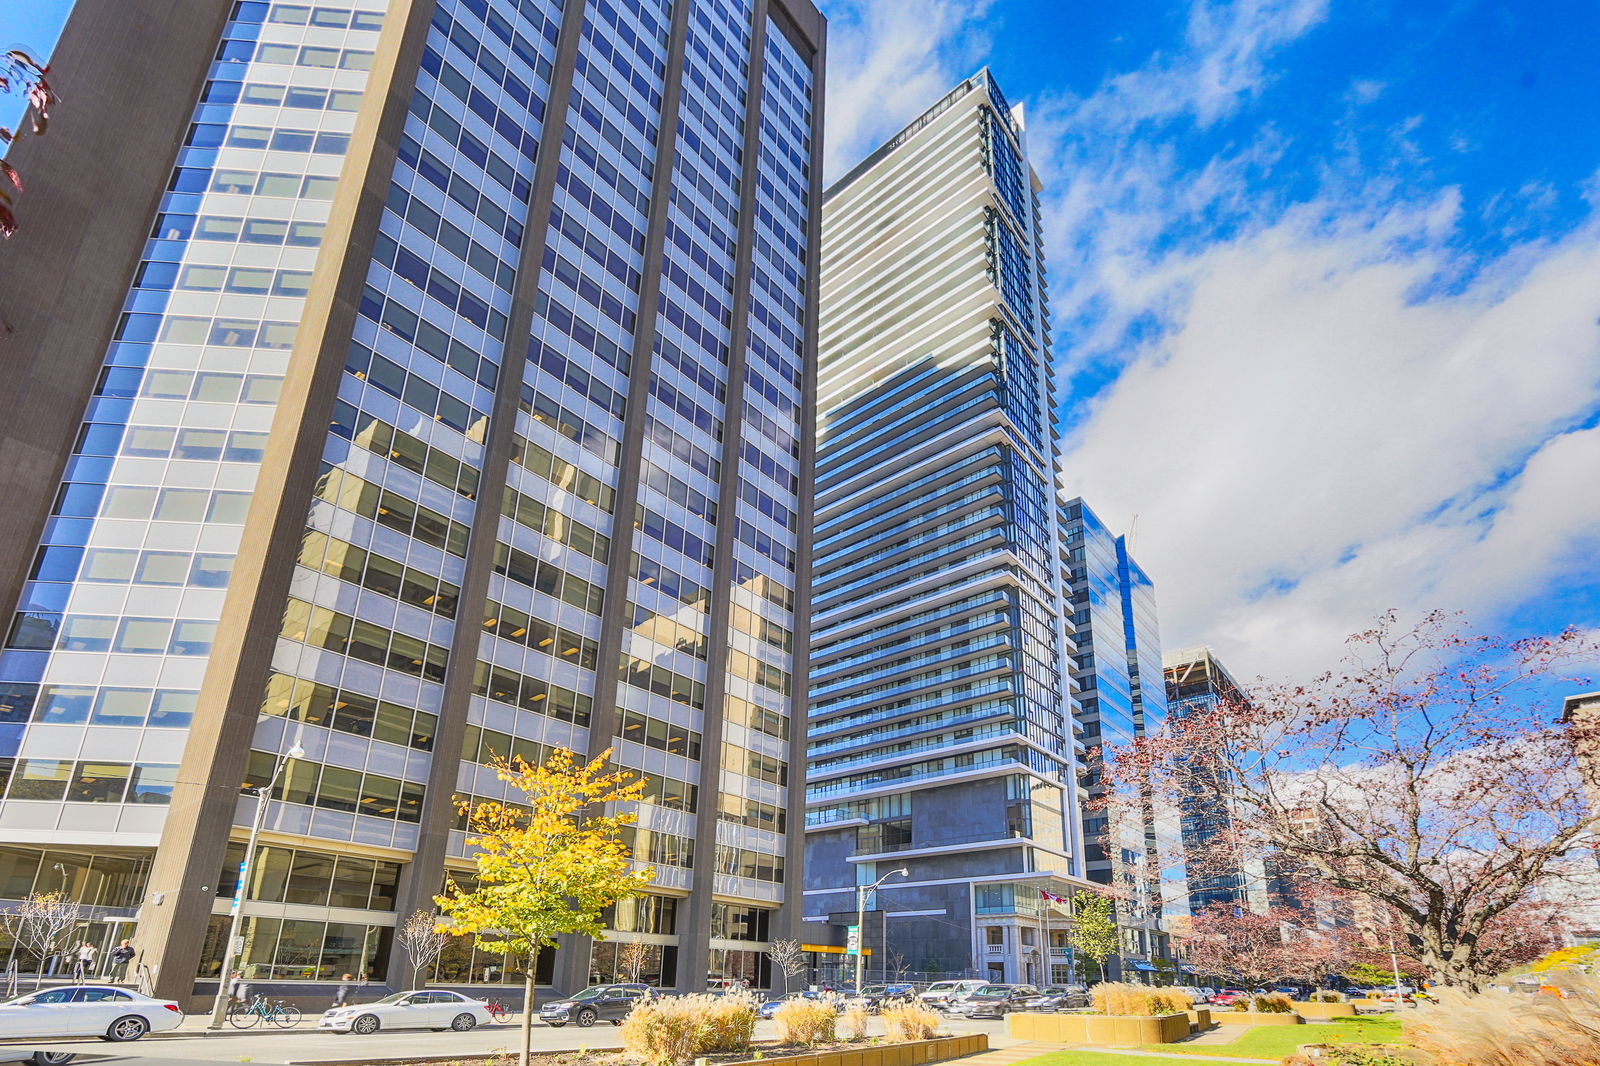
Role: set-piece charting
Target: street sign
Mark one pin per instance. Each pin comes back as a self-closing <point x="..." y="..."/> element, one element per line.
<point x="852" y="940"/>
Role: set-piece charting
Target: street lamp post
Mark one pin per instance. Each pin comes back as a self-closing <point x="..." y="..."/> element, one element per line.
<point x="861" y="920"/>
<point x="219" y="1006"/>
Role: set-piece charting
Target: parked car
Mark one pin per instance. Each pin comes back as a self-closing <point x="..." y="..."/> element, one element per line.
<point x="610" y="1003"/>
<point x="1226" y="996"/>
<point x="939" y="994"/>
<point x="1292" y="991"/>
<point x="770" y="1007"/>
<point x="875" y="997"/>
<point x="1060" y="998"/>
<point x="417" y="1009"/>
<point x="1203" y="994"/>
<point x="114" y="1014"/>
<point x="993" y="1001"/>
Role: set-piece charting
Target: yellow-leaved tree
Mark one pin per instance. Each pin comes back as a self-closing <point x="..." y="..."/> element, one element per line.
<point x="550" y="864"/>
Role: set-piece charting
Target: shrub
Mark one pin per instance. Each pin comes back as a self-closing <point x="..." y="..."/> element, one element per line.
<point x="1170" y="1001"/>
<point x="666" y="1032"/>
<point x="1512" y="1029"/>
<point x="1112" y="997"/>
<point x="730" y="1023"/>
<point x="1274" y="1003"/>
<point x="663" y="1032"/>
<point x="853" y="1023"/>
<point x="1326" y="995"/>
<point x="806" y="1021"/>
<point x="905" y="1022"/>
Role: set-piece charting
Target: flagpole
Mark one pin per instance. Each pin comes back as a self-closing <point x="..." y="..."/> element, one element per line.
<point x="1044" y="917"/>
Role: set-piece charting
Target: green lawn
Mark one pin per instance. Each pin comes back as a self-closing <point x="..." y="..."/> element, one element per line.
<point x="1259" y="1042"/>
<point x="1275" y="1041"/>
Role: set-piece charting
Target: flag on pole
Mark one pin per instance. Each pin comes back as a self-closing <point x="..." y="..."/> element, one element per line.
<point x="1051" y="897"/>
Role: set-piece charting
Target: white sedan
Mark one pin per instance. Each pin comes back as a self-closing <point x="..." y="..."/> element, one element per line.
<point x="87" y="1010"/>
<point x="424" y="1009"/>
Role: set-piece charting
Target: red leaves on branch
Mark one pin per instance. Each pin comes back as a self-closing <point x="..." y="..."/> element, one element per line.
<point x="19" y="71"/>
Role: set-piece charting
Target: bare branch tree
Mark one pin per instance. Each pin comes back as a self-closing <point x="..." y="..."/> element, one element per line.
<point x="632" y="958"/>
<point x="1415" y="777"/>
<point x="40" y="921"/>
<point x="789" y="957"/>
<point x="423" y="941"/>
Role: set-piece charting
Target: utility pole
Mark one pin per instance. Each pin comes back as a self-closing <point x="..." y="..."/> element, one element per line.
<point x="219" y="1006"/>
<point x="861" y="920"/>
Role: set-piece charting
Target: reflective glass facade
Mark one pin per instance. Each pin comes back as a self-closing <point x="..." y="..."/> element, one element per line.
<point x="1136" y="848"/>
<point x="1196" y="681"/>
<point x="624" y="194"/>
<point x="941" y="706"/>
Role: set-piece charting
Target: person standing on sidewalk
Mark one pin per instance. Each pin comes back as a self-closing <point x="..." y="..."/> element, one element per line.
<point x="117" y="960"/>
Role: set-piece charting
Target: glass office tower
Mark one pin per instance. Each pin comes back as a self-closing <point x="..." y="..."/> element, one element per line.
<point x="1197" y="682"/>
<point x="316" y="500"/>
<point x="1134" y="847"/>
<point x="941" y="705"/>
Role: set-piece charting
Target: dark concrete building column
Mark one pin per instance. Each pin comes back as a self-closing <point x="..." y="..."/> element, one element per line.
<point x="421" y="880"/>
<point x="173" y="921"/>
<point x="572" y="961"/>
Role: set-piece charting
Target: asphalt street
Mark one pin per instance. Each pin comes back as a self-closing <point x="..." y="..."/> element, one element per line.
<point x="307" y="1044"/>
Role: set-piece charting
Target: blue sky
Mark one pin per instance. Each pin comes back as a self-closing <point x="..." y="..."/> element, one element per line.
<point x="1325" y="282"/>
<point x="1326" y="287"/>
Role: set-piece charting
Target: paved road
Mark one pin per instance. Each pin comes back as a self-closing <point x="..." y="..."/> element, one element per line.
<point x="300" y="1045"/>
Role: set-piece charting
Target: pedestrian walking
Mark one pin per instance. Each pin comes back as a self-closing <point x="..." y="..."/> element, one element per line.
<point x="83" y="965"/>
<point x="117" y="960"/>
<point x="238" y="991"/>
<point x="342" y="996"/>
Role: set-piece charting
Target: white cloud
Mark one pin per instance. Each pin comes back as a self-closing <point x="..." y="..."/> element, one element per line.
<point x="1311" y="443"/>
<point x="890" y="60"/>
<point x="1321" y="409"/>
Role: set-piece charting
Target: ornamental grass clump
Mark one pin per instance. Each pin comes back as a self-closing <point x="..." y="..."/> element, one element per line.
<point x="729" y="1023"/>
<point x="1273" y="1003"/>
<point x="668" y="1032"/>
<point x="904" y="1022"/>
<point x="807" y="1021"/>
<point x="853" y="1024"/>
<point x="1326" y="995"/>
<point x="1126" y="998"/>
<point x="1560" y="1027"/>
<point x="664" y="1032"/>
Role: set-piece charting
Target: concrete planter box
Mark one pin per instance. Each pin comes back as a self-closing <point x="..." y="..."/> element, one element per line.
<point x="1322" y="1011"/>
<point x="1199" y="1019"/>
<point x="1105" y="1030"/>
<point x="1250" y="1017"/>
<point x="917" y="1053"/>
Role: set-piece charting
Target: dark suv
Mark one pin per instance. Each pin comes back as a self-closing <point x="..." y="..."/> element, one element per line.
<point x="994" y="1001"/>
<point x="609" y="1003"/>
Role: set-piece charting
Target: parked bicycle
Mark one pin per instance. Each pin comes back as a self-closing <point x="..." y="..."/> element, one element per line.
<point x="497" y="1010"/>
<point x="278" y="1013"/>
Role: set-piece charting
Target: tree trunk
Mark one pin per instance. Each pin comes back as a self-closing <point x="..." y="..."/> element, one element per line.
<point x="1450" y="960"/>
<point x="527" y="1009"/>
